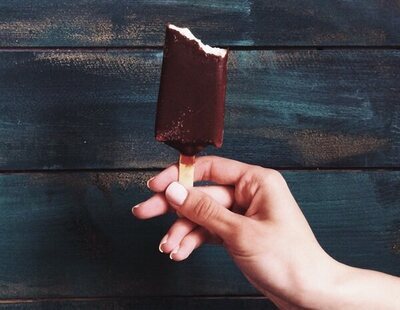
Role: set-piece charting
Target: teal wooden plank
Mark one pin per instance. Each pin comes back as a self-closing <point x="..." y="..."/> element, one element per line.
<point x="153" y="303"/>
<point x="71" y="234"/>
<point x="223" y="22"/>
<point x="297" y="108"/>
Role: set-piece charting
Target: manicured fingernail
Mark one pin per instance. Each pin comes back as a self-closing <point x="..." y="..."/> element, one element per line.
<point x="176" y="193"/>
<point x="163" y="241"/>
<point x="173" y="253"/>
<point x="135" y="207"/>
<point x="148" y="182"/>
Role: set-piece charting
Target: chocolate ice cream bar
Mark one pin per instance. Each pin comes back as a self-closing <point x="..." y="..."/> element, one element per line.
<point x="190" y="109"/>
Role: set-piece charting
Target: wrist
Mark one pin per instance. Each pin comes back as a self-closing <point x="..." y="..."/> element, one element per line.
<point x="324" y="289"/>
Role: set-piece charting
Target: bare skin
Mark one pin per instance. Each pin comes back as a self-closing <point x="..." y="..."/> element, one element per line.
<point x="253" y="214"/>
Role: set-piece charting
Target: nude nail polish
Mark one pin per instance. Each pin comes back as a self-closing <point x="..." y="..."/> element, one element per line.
<point x="163" y="241"/>
<point x="176" y="250"/>
<point x="148" y="182"/>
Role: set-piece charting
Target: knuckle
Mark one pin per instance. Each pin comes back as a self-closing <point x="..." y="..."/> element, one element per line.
<point x="255" y="173"/>
<point x="272" y="177"/>
<point x="251" y="179"/>
<point x="256" y="177"/>
<point x="273" y="174"/>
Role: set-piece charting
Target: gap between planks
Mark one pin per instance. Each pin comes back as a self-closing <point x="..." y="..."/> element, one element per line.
<point x="156" y="169"/>
<point x="127" y="298"/>
<point x="160" y="47"/>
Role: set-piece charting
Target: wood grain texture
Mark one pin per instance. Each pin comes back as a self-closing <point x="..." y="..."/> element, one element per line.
<point x="72" y="234"/>
<point x="223" y="22"/>
<point x="298" y="108"/>
<point x="153" y="303"/>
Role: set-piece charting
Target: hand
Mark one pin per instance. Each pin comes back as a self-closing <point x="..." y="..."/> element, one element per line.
<point x="254" y="215"/>
<point x="271" y="242"/>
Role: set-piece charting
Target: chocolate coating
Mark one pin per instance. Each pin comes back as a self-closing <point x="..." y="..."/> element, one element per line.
<point x="191" y="100"/>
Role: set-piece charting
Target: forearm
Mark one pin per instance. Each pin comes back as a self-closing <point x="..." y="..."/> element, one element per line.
<point x="354" y="288"/>
<point x="369" y="289"/>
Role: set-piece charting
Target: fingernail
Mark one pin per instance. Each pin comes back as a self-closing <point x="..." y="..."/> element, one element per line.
<point x="148" y="182"/>
<point x="173" y="253"/>
<point x="176" y="193"/>
<point x="163" y="241"/>
<point x="135" y="207"/>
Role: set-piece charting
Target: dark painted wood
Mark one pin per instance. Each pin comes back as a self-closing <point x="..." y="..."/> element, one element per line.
<point x="72" y="234"/>
<point x="153" y="303"/>
<point x="224" y="22"/>
<point x="298" y="108"/>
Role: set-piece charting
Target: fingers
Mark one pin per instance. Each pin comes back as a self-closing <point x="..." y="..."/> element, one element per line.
<point x="160" y="182"/>
<point x="183" y="245"/>
<point x="224" y="195"/>
<point x="152" y="207"/>
<point x="188" y="244"/>
<point x="220" y="170"/>
<point x="175" y="234"/>
<point x="158" y="205"/>
<point x="202" y="209"/>
<point x="183" y="238"/>
<point x="207" y="168"/>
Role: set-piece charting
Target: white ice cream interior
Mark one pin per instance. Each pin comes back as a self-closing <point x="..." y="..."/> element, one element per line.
<point x="206" y="48"/>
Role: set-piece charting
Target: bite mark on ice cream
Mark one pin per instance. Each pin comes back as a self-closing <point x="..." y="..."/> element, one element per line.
<point x="206" y="48"/>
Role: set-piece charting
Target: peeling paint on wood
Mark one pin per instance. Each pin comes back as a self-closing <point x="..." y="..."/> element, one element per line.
<point x="234" y="22"/>
<point x="329" y="147"/>
<point x="72" y="109"/>
<point x="318" y="147"/>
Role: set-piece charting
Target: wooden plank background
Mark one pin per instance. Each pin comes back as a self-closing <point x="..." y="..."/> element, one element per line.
<point x="223" y="22"/>
<point x="73" y="110"/>
<point x="76" y="228"/>
<point x="313" y="90"/>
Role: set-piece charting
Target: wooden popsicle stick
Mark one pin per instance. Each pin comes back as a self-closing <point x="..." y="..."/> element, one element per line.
<point x="186" y="170"/>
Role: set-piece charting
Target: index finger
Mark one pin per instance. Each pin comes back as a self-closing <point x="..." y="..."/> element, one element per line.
<point x="207" y="168"/>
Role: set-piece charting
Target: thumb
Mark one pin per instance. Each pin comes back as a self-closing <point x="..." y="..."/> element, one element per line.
<point x="202" y="209"/>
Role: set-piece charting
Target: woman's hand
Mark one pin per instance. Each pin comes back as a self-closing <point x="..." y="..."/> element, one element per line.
<point x="254" y="215"/>
<point x="267" y="234"/>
